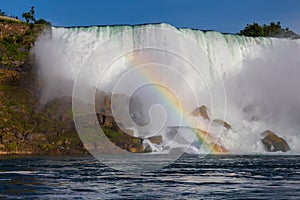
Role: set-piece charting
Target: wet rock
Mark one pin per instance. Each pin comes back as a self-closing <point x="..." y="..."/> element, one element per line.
<point x="223" y="123"/>
<point x="202" y="111"/>
<point x="136" y="149"/>
<point x="156" y="139"/>
<point x="147" y="148"/>
<point x="273" y="142"/>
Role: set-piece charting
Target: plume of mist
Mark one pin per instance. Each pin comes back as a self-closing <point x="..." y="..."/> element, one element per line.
<point x="266" y="94"/>
<point x="267" y="89"/>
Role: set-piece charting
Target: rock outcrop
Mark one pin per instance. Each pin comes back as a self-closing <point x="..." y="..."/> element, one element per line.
<point x="273" y="142"/>
<point x="155" y="139"/>
<point x="202" y="111"/>
<point x="118" y="135"/>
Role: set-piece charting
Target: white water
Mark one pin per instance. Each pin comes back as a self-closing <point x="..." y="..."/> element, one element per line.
<point x="260" y="75"/>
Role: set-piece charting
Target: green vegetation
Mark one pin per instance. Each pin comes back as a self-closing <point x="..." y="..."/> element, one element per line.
<point x="15" y="45"/>
<point x="42" y="21"/>
<point x="17" y="38"/>
<point x="271" y="30"/>
<point x="12" y="146"/>
<point x="26" y="126"/>
<point x="12" y="45"/>
<point x="29" y="16"/>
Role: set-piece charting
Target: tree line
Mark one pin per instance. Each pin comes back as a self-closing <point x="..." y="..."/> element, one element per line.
<point x="28" y="16"/>
<point x="271" y="30"/>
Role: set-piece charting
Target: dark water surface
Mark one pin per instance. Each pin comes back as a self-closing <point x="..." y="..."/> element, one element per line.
<point x="190" y="177"/>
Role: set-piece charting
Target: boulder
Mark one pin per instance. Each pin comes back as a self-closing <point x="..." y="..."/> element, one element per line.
<point x="147" y="148"/>
<point x="273" y="142"/>
<point x="155" y="139"/>
<point x="202" y="111"/>
<point x="223" y="123"/>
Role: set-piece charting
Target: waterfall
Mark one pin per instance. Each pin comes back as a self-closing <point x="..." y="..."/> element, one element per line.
<point x="253" y="81"/>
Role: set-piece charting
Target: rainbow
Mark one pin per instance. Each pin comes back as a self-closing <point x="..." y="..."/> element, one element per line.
<point x="170" y="99"/>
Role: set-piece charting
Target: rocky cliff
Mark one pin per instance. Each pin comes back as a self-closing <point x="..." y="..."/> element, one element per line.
<point x="26" y="126"/>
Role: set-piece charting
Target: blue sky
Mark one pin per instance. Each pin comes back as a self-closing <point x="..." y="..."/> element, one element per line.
<point x="221" y="15"/>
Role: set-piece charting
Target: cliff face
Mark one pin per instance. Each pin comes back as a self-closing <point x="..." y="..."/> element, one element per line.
<point x="16" y="40"/>
<point x="26" y="126"/>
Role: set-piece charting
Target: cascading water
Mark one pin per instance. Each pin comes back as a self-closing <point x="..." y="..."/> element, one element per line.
<point x="260" y="75"/>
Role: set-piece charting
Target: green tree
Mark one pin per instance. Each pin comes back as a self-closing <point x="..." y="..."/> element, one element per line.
<point x="29" y="16"/>
<point x="271" y="30"/>
<point x="26" y="16"/>
<point x="253" y="30"/>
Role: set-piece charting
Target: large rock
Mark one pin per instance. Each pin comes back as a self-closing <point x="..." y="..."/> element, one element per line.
<point x="155" y="139"/>
<point x="202" y="111"/>
<point x="273" y="142"/>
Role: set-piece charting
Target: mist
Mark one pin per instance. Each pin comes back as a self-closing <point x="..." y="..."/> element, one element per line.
<point x="266" y="93"/>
